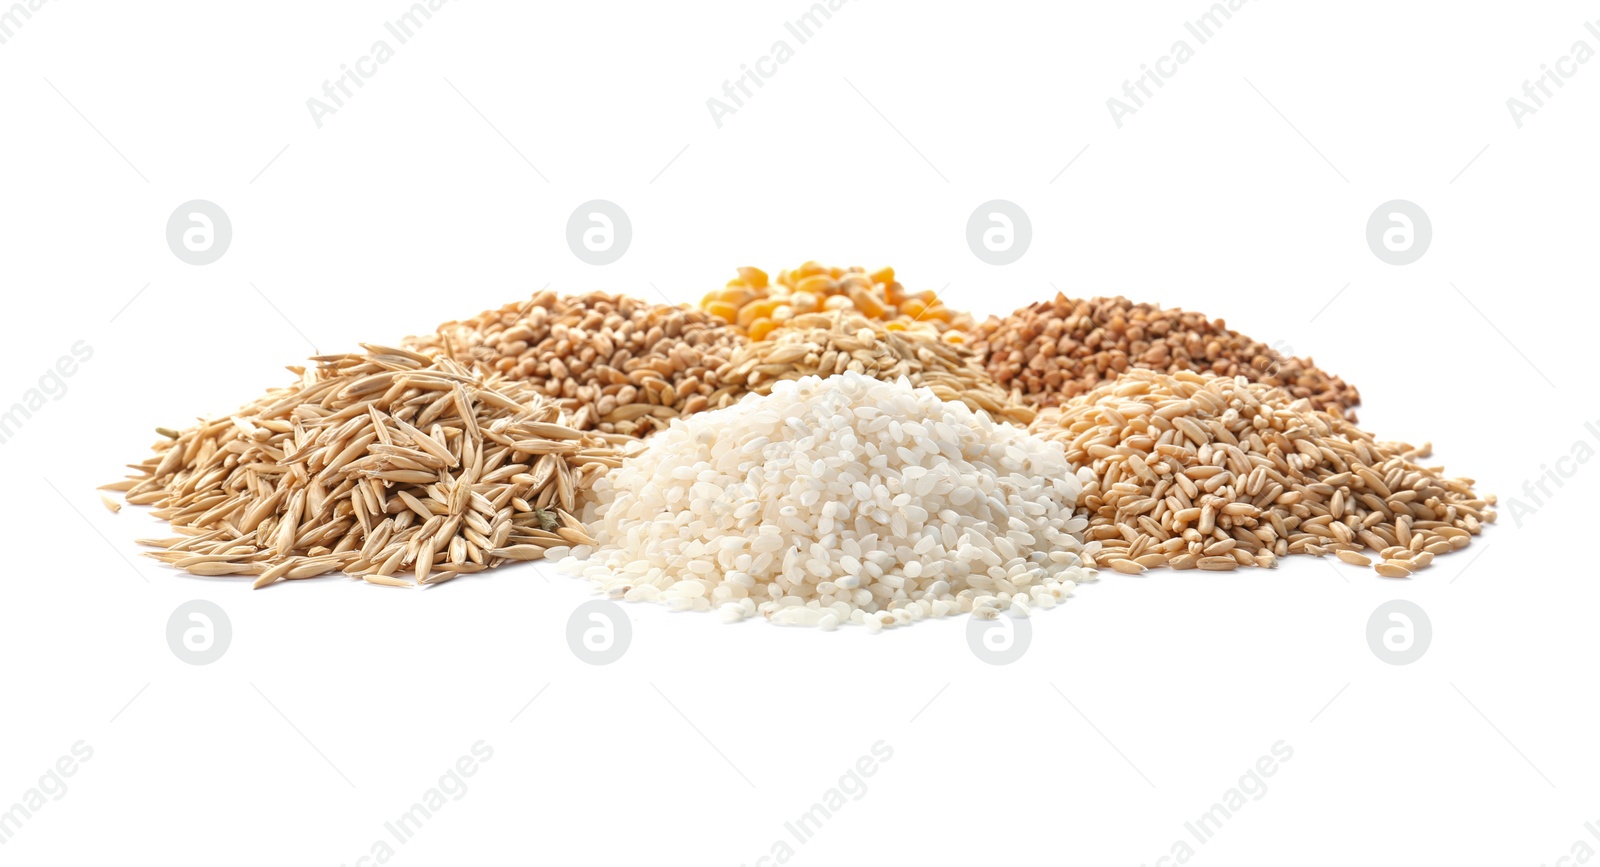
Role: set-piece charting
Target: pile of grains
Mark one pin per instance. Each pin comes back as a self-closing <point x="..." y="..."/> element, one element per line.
<point x="370" y="464"/>
<point x="825" y="344"/>
<point x="1055" y="350"/>
<point x="614" y="363"/>
<point x="755" y="306"/>
<point x="1192" y="470"/>
<point x="839" y="500"/>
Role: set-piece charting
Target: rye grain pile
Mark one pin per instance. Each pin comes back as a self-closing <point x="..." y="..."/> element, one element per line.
<point x="614" y="363"/>
<point x="825" y="344"/>
<point x="1194" y="470"/>
<point x="839" y="500"/>
<point x="1055" y="350"/>
<point x="372" y="464"/>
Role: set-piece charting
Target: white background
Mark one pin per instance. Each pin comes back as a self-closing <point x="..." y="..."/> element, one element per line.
<point x="1242" y="189"/>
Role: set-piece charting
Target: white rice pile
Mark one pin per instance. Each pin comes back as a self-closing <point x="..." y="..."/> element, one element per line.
<point x="839" y="500"/>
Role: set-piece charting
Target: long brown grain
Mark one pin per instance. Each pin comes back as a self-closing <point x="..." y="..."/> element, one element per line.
<point x="369" y="464"/>
<point x="827" y="344"/>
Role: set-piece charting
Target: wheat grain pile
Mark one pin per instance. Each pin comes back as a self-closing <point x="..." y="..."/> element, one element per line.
<point x="1194" y="470"/>
<point x="614" y="363"/>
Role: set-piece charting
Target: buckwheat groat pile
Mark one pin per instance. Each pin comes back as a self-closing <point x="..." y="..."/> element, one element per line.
<point x="615" y="363"/>
<point x="372" y="464"/>
<point x="1058" y="349"/>
<point x="824" y="344"/>
<point x="840" y="500"/>
<point x="1191" y="470"/>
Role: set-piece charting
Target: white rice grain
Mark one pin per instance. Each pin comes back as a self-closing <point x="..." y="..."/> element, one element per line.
<point x="845" y="500"/>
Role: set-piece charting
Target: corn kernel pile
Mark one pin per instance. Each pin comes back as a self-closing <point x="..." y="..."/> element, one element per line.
<point x="755" y="305"/>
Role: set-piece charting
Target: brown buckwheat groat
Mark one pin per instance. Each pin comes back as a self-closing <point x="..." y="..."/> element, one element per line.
<point x="1055" y="350"/>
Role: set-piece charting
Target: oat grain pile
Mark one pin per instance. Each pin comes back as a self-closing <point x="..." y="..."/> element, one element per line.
<point x="614" y="363"/>
<point x="1057" y="349"/>
<point x="826" y="344"/>
<point x="1194" y="470"/>
<point x="372" y="464"/>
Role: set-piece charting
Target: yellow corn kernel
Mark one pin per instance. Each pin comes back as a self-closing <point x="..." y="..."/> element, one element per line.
<point x="871" y="307"/>
<point x="851" y="280"/>
<point x="936" y="311"/>
<point x="749" y="313"/>
<point x="883" y="275"/>
<point x="817" y="284"/>
<point x="809" y="269"/>
<point x="723" y="310"/>
<point x="761" y="327"/>
<point x="755" y="277"/>
<point x="913" y="307"/>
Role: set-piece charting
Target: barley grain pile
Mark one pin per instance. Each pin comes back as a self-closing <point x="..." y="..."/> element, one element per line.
<point x="1057" y="349"/>
<point x="614" y="363"/>
<point x="1193" y="470"/>
<point x="756" y="305"/>
<point x="372" y="464"/>
<point x="839" y="500"/>
<point x="825" y="344"/>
